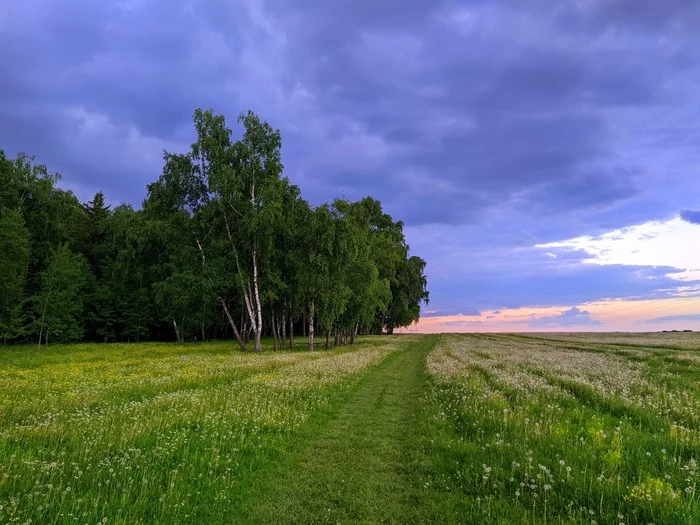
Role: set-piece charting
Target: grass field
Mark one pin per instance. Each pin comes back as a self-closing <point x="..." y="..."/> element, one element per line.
<point x="575" y="428"/>
<point x="523" y="428"/>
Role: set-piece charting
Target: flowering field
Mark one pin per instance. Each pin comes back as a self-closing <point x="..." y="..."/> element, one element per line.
<point x="155" y="433"/>
<point x="565" y="428"/>
<point x="502" y="429"/>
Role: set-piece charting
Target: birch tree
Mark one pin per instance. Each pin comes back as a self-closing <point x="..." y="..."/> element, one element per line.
<point x="258" y="165"/>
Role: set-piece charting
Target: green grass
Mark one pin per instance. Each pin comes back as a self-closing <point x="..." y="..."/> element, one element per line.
<point x="158" y="433"/>
<point x="359" y="467"/>
<point x="544" y="432"/>
<point x="402" y="429"/>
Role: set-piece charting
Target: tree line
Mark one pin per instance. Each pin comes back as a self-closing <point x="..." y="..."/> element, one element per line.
<point x="223" y="246"/>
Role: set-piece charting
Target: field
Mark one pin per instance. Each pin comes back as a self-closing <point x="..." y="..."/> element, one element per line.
<point x="592" y="428"/>
<point x="522" y="428"/>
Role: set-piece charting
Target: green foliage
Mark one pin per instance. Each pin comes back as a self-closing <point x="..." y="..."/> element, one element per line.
<point x="223" y="246"/>
<point x="59" y="305"/>
<point x="408" y="290"/>
<point x="14" y="257"/>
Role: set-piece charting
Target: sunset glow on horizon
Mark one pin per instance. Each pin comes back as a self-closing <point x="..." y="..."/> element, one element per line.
<point x="605" y="316"/>
<point x="663" y="252"/>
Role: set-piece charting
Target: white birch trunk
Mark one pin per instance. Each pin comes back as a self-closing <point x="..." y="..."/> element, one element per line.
<point x="248" y="305"/>
<point x="177" y="332"/>
<point x="247" y="296"/>
<point x="311" y="325"/>
<point x="236" y="333"/>
<point x="291" y="333"/>
<point x="258" y="306"/>
<point x="274" y="333"/>
<point x="283" y="331"/>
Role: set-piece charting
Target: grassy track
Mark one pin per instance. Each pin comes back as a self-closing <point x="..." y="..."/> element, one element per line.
<point x="358" y="468"/>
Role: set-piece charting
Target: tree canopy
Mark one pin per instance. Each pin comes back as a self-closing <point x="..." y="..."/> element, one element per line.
<point x="224" y="246"/>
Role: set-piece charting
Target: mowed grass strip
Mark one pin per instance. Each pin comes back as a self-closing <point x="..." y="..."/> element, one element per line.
<point x="361" y="466"/>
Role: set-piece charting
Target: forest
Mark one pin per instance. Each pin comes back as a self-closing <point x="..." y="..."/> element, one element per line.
<point x="223" y="247"/>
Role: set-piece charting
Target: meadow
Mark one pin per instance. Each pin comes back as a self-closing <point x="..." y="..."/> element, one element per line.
<point x="154" y="433"/>
<point x="520" y="428"/>
<point x="569" y="428"/>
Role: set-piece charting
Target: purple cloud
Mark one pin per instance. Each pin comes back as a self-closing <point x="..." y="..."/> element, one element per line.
<point x="568" y="318"/>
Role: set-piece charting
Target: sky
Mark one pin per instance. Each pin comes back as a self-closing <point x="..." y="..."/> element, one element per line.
<point x="543" y="155"/>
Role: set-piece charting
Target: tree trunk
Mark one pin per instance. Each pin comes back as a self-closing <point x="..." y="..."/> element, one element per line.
<point x="274" y="333"/>
<point x="248" y="305"/>
<point x="178" y="335"/>
<point x="258" y="306"/>
<point x="256" y="322"/>
<point x="283" y="332"/>
<point x="328" y="339"/>
<point x="337" y="337"/>
<point x="354" y="333"/>
<point x="231" y="322"/>
<point x="204" y="337"/>
<point x="303" y="323"/>
<point x="311" y="325"/>
<point x="291" y="333"/>
<point x="244" y="331"/>
<point x="43" y="316"/>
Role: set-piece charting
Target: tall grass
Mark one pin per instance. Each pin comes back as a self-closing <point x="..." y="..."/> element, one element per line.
<point x="154" y="433"/>
<point x="526" y="431"/>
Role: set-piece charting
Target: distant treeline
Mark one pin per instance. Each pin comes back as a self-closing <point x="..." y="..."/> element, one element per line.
<point x="223" y="247"/>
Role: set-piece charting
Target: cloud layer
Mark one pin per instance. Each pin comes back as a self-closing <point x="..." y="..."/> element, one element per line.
<point x="489" y="127"/>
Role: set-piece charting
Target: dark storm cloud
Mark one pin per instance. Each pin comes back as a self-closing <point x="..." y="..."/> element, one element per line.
<point x="499" y="116"/>
<point x="517" y="122"/>
<point x="390" y="86"/>
<point x="645" y="14"/>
